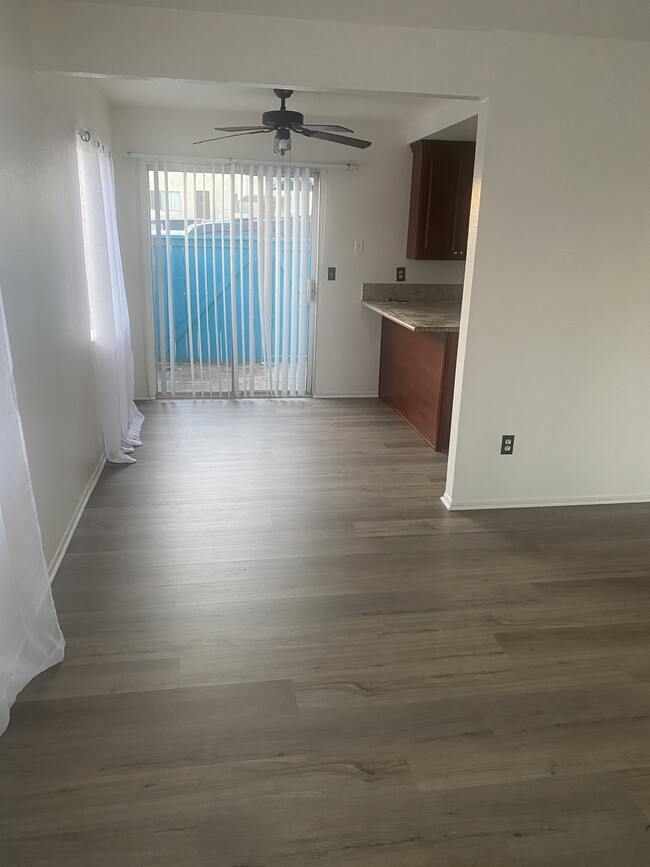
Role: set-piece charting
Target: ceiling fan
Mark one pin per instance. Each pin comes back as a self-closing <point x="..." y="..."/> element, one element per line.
<point x="283" y="122"/>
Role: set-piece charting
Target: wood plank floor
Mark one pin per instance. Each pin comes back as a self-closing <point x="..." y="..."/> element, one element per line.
<point x="283" y="650"/>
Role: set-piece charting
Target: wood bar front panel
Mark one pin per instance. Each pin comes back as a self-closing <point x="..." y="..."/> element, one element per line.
<point x="416" y="378"/>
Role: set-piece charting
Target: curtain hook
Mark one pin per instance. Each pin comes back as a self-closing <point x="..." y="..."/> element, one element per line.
<point x="84" y="135"/>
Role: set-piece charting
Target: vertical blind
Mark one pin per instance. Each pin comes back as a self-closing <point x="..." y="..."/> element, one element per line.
<point x="232" y="249"/>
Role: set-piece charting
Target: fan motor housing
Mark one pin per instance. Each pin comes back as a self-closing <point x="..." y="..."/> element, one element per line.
<point x="281" y="118"/>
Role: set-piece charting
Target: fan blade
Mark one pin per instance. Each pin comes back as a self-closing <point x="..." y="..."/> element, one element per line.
<point x="233" y="135"/>
<point x="239" y="128"/>
<point x="326" y="127"/>
<point x="339" y="139"/>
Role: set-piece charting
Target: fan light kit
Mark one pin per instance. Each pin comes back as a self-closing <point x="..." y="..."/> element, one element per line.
<point x="283" y="122"/>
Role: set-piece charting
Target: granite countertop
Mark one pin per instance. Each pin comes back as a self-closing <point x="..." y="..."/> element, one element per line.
<point x="419" y="315"/>
<point x="418" y="307"/>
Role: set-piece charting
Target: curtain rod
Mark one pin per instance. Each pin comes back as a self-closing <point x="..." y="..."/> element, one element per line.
<point x="351" y="167"/>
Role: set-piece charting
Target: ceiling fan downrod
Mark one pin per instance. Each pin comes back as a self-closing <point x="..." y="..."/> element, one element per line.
<point x="282" y="95"/>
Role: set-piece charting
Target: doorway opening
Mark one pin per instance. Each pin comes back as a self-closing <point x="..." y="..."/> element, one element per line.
<point x="233" y="253"/>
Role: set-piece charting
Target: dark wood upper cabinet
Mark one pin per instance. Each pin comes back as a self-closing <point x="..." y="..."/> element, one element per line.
<point x="441" y="197"/>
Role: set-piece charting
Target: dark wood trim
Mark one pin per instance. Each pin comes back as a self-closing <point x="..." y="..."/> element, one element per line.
<point x="447" y="391"/>
<point x="413" y="239"/>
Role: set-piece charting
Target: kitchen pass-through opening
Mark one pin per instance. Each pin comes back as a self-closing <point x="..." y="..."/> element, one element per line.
<point x="233" y="262"/>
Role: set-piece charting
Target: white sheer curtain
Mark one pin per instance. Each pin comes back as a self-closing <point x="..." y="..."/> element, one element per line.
<point x="30" y="638"/>
<point x="121" y="421"/>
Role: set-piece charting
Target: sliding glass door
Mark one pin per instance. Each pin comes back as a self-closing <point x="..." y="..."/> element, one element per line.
<point x="233" y="255"/>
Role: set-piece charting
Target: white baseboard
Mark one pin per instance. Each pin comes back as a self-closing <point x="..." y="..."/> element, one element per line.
<point x="455" y="506"/>
<point x="55" y="562"/>
<point x="349" y="395"/>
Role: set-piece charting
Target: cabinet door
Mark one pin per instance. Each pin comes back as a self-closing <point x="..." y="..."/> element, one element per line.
<point x="441" y="191"/>
<point x="463" y="199"/>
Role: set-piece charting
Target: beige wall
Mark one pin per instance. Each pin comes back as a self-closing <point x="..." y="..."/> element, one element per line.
<point x="41" y="272"/>
<point x="556" y="325"/>
<point x="121" y="40"/>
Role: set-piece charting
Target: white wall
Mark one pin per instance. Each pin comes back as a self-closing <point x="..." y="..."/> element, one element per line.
<point x="556" y="303"/>
<point x="559" y="304"/>
<point x="622" y="18"/>
<point x="120" y="40"/>
<point x="369" y="205"/>
<point x="41" y="272"/>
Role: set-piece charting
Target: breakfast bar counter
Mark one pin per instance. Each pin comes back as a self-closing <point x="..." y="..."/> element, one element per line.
<point x="433" y="316"/>
<point x="419" y="343"/>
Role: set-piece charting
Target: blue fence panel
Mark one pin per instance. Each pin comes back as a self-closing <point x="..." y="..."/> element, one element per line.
<point x="202" y="324"/>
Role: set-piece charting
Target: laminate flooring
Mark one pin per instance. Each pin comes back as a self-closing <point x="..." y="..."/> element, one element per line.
<point x="283" y="650"/>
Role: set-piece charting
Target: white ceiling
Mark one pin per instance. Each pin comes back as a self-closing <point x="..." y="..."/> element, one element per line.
<point x="252" y="101"/>
<point x="624" y="19"/>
